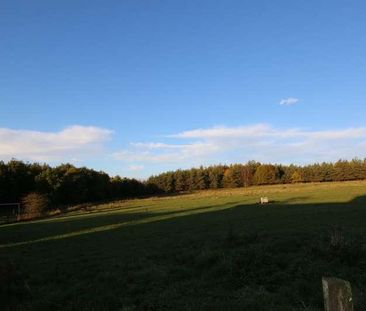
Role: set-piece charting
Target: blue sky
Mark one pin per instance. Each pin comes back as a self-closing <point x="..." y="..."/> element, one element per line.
<point x="140" y="87"/>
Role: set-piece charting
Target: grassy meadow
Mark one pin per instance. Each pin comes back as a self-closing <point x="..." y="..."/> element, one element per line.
<point x="209" y="250"/>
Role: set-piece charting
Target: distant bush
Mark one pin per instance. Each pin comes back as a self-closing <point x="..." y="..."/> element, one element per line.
<point x="33" y="205"/>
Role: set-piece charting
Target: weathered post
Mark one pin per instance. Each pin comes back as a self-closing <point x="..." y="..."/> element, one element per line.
<point x="337" y="295"/>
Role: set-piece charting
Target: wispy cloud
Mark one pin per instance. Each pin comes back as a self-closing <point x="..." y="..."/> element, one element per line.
<point x="136" y="167"/>
<point x="289" y="101"/>
<point x="194" y="147"/>
<point x="265" y="130"/>
<point x="166" y="153"/>
<point x="260" y="142"/>
<point x="223" y="132"/>
<point x="69" y="144"/>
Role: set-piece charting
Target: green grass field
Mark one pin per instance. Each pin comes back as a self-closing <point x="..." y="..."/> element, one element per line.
<point x="210" y="250"/>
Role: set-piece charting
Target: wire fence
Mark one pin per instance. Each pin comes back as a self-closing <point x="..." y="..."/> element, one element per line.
<point x="9" y="212"/>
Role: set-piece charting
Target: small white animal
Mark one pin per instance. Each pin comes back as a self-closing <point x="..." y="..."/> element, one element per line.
<point x="264" y="200"/>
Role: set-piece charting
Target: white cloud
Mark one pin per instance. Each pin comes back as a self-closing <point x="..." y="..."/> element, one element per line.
<point x="69" y="144"/>
<point x="261" y="142"/>
<point x="165" y="153"/>
<point x="195" y="147"/>
<point x="136" y="167"/>
<point x="265" y="130"/>
<point x="152" y="146"/>
<point x="222" y="132"/>
<point x="289" y="101"/>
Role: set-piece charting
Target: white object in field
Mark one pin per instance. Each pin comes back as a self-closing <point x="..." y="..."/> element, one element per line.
<point x="264" y="200"/>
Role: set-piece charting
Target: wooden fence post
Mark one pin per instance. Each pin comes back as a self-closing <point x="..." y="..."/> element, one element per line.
<point x="337" y="295"/>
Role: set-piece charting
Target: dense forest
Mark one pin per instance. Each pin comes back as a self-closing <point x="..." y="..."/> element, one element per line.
<point x="66" y="184"/>
<point x="255" y="173"/>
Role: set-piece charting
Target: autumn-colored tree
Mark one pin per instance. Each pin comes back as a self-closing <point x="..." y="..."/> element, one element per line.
<point x="265" y="174"/>
<point x="228" y="180"/>
<point x="33" y="205"/>
<point x="296" y="177"/>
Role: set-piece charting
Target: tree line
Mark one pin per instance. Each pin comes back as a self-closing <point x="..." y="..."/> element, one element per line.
<point x="66" y="184"/>
<point x="255" y="173"/>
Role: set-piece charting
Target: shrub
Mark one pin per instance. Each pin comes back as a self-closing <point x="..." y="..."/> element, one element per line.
<point x="33" y="205"/>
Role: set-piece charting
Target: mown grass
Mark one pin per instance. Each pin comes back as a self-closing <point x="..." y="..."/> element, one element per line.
<point x="210" y="250"/>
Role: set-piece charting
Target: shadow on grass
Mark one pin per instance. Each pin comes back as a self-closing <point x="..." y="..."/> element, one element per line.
<point x="91" y="223"/>
<point x="234" y="256"/>
<point x="280" y="212"/>
<point x="86" y="207"/>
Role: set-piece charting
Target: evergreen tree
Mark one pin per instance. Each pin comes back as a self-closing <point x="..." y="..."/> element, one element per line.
<point x="215" y="177"/>
<point x="181" y="181"/>
<point x="202" y="180"/>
